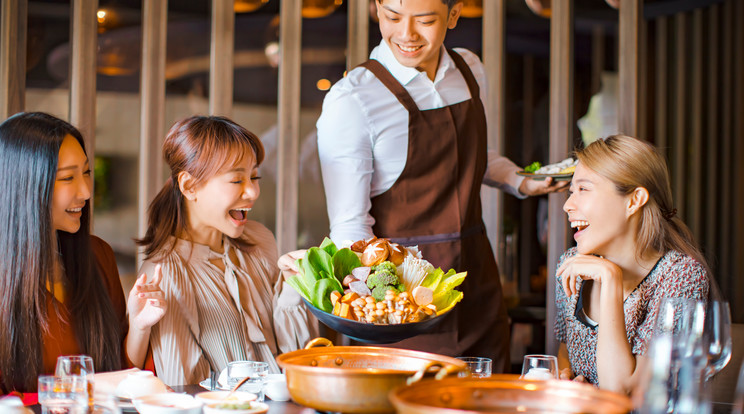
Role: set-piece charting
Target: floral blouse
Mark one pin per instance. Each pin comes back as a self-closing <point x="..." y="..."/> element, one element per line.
<point x="675" y="275"/>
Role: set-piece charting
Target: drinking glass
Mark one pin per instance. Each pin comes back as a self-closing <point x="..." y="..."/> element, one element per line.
<point x="717" y="337"/>
<point x="540" y="367"/>
<point x="478" y="367"/>
<point x="77" y="365"/>
<point x="63" y="395"/>
<point x="256" y="371"/>
<point x="677" y="358"/>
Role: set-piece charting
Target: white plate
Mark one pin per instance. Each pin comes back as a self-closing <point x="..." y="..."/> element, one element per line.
<point x="207" y="385"/>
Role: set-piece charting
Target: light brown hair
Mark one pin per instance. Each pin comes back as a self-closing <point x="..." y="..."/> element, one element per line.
<point x="200" y="146"/>
<point x="630" y="163"/>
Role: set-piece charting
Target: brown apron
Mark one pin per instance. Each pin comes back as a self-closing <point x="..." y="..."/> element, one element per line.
<point x="435" y="204"/>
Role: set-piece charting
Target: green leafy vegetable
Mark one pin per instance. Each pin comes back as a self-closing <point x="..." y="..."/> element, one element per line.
<point x="533" y="167"/>
<point x="328" y="246"/>
<point x="322" y="293"/>
<point x="344" y="261"/>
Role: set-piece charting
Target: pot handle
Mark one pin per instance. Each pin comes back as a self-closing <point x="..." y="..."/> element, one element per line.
<point x="318" y="342"/>
<point x="442" y="371"/>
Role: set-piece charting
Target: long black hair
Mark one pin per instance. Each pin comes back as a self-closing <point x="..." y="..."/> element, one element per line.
<point x="29" y="152"/>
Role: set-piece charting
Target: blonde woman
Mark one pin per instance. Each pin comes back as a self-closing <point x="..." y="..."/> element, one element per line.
<point x="631" y="251"/>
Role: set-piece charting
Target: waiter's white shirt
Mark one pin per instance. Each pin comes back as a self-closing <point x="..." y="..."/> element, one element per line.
<point x="363" y="136"/>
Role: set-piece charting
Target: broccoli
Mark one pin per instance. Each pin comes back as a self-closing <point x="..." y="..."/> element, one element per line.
<point x="383" y="278"/>
<point x="385" y="266"/>
<point x="379" y="292"/>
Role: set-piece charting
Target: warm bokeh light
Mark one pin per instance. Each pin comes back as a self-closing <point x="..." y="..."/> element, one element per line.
<point x="247" y="6"/>
<point x="313" y="9"/>
<point x="101" y="15"/>
<point x="540" y="7"/>
<point x="323" y="84"/>
<point x="472" y="8"/>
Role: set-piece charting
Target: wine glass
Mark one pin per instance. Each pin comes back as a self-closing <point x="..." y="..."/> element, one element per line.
<point x="717" y="335"/>
<point x="677" y="357"/>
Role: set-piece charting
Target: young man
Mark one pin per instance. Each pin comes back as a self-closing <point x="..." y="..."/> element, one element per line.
<point x="402" y="145"/>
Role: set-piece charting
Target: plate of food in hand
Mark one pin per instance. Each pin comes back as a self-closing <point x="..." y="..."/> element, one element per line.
<point x="560" y="171"/>
<point x="375" y="291"/>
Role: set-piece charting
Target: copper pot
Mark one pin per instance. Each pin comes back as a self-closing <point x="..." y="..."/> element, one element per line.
<point x="356" y="379"/>
<point x="505" y="394"/>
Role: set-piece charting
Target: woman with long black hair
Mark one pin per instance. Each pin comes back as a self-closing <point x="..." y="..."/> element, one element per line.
<point x="61" y="292"/>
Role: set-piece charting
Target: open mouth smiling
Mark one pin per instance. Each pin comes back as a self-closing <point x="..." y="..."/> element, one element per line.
<point x="579" y="224"/>
<point x="240" y="214"/>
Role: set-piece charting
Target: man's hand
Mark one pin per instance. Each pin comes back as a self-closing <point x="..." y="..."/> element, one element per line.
<point x="287" y="262"/>
<point x="532" y="187"/>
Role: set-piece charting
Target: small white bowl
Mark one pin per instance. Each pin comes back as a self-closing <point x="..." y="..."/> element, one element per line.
<point x="276" y="387"/>
<point x="216" y="397"/>
<point x="256" y="408"/>
<point x="168" y="403"/>
<point x="139" y="384"/>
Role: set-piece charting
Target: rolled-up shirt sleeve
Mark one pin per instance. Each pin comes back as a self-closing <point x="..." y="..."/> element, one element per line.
<point x="502" y="173"/>
<point x="345" y="151"/>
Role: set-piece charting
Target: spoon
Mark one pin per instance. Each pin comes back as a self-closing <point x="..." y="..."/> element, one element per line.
<point x="235" y="388"/>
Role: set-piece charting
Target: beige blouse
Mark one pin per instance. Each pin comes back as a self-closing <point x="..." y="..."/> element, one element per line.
<point x="245" y="312"/>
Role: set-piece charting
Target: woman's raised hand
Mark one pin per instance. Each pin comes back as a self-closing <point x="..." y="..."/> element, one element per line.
<point x="588" y="267"/>
<point x="146" y="304"/>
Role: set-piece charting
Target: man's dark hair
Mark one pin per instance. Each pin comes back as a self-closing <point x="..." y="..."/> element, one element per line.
<point x="449" y="3"/>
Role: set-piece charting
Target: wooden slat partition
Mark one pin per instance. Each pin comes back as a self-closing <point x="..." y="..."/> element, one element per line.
<point x="221" y="57"/>
<point x="290" y="38"/>
<point x="13" y="24"/>
<point x="494" y="58"/>
<point x="737" y="265"/>
<point x="712" y="144"/>
<point x="694" y="166"/>
<point x="598" y="57"/>
<point x="678" y="144"/>
<point x="661" y="130"/>
<point x="725" y="198"/>
<point x="628" y="100"/>
<point x="643" y="94"/>
<point x="358" y="37"/>
<point x="527" y="227"/>
<point x="84" y="39"/>
<point x="152" y="107"/>
<point x="561" y="137"/>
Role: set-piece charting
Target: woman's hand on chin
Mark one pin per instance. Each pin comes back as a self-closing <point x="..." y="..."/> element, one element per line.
<point x="588" y="267"/>
<point x="146" y="304"/>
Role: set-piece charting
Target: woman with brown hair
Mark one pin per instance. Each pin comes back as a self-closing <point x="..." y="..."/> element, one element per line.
<point x="227" y="300"/>
<point x="631" y="251"/>
<point x="61" y="292"/>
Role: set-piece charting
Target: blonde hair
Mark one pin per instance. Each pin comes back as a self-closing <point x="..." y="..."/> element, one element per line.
<point x="630" y="163"/>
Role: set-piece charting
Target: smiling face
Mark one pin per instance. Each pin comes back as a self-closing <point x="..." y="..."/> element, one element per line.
<point x="599" y="213"/>
<point x="221" y="204"/>
<point x="415" y="30"/>
<point x="72" y="186"/>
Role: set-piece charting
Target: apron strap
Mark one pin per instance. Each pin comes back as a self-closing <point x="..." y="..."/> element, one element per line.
<point x="464" y="69"/>
<point x="392" y="84"/>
